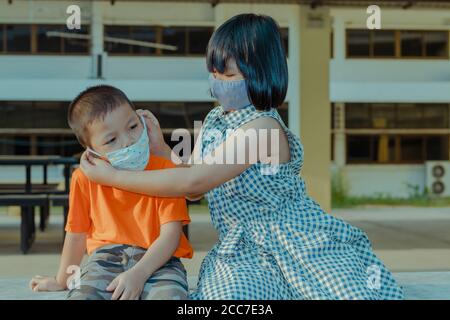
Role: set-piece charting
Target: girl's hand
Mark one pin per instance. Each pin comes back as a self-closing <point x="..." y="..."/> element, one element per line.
<point x="156" y="138"/>
<point x="127" y="285"/>
<point x="97" y="170"/>
<point x="40" y="283"/>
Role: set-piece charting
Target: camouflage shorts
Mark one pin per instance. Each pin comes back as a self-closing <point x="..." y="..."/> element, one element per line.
<point x="167" y="283"/>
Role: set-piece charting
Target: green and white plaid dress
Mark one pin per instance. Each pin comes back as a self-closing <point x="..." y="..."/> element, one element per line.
<point x="275" y="242"/>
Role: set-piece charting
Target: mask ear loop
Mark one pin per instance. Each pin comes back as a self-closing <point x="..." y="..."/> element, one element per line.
<point x="96" y="154"/>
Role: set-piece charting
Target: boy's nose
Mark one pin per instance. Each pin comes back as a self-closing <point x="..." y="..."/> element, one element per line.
<point x="128" y="141"/>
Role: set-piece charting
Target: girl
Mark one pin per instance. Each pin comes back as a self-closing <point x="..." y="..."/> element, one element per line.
<point x="275" y="242"/>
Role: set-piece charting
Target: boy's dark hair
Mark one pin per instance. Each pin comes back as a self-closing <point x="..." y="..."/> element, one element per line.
<point x="254" y="42"/>
<point x="92" y="104"/>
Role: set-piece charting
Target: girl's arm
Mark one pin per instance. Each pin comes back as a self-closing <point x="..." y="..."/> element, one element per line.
<point x="198" y="178"/>
<point x="160" y="147"/>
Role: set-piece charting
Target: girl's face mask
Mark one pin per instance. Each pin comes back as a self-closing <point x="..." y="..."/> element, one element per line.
<point x="134" y="157"/>
<point x="231" y="94"/>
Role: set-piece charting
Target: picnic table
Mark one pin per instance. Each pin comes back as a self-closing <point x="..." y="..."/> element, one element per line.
<point x="29" y="195"/>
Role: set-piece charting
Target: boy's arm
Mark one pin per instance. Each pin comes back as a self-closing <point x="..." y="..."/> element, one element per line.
<point x="129" y="285"/>
<point x="77" y="227"/>
<point x="72" y="254"/>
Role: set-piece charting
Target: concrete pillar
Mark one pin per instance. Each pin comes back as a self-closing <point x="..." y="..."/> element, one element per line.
<point x="97" y="38"/>
<point x="315" y="112"/>
<point x="339" y="135"/>
<point x="339" y="38"/>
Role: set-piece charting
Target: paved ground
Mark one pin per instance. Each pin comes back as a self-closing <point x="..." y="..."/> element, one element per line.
<point x="406" y="239"/>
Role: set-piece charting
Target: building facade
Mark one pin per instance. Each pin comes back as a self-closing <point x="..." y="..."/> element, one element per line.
<point x="369" y="105"/>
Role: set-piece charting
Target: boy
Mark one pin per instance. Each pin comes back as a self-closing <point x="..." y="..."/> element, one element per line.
<point x="134" y="242"/>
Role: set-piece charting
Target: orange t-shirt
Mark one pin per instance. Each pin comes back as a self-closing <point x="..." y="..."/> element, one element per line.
<point x="112" y="216"/>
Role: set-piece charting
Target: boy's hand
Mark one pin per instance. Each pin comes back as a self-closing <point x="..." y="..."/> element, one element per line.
<point x="127" y="285"/>
<point x="40" y="283"/>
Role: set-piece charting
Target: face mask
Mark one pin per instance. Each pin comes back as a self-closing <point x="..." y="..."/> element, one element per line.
<point x="134" y="157"/>
<point x="230" y="94"/>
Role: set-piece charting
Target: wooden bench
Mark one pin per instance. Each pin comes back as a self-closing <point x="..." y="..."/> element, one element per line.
<point x="27" y="203"/>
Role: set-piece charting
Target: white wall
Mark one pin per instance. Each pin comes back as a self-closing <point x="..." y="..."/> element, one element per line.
<point x="26" y="77"/>
<point x="388" y="80"/>
<point x="387" y="180"/>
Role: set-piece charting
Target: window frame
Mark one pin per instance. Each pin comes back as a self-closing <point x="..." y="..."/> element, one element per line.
<point x="159" y="38"/>
<point x="34" y="42"/>
<point x="397" y="45"/>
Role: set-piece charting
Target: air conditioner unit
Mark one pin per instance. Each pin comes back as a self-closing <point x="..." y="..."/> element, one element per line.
<point x="438" y="178"/>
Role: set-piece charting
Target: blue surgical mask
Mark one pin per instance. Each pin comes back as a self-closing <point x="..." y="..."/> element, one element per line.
<point x="134" y="157"/>
<point x="231" y="94"/>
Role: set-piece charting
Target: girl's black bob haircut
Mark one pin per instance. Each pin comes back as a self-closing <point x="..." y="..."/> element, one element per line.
<point x="254" y="42"/>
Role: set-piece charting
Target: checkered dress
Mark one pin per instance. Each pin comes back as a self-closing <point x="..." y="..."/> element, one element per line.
<point x="275" y="242"/>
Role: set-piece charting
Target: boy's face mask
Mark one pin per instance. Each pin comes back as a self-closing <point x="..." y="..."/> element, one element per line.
<point x="230" y="94"/>
<point x="134" y="157"/>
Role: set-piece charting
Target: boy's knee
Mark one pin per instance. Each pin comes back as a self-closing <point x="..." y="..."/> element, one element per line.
<point x="165" y="291"/>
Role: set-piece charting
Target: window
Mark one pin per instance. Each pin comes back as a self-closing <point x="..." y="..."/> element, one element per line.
<point x="424" y="44"/>
<point x="2" y="38"/>
<point x="187" y="40"/>
<point x="412" y="44"/>
<point x="396" y="148"/>
<point x="436" y="44"/>
<point x="18" y="38"/>
<point x="198" y="39"/>
<point x="73" y="45"/>
<point x="378" y="132"/>
<point x="391" y="115"/>
<point x="48" y="44"/>
<point x="285" y="40"/>
<point x="383" y="43"/>
<point x="36" y="128"/>
<point x="138" y="33"/>
<point x="370" y="43"/>
<point x="360" y="149"/>
<point x="175" y="36"/>
<point x="122" y="32"/>
<point x="396" y="43"/>
<point x="34" y="39"/>
<point x="358" y="43"/>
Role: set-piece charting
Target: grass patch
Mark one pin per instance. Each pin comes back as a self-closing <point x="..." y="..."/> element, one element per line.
<point x="348" y="202"/>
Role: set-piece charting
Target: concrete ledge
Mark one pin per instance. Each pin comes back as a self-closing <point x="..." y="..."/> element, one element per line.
<point x="417" y="285"/>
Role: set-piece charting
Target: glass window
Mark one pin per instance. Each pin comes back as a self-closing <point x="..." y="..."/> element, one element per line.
<point x="45" y="43"/>
<point x="358" y="43"/>
<point x="435" y="116"/>
<point x="18" y="38"/>
<point x="285" y="39"/>
<point x="2" y="33"/>
<point x="359" y="149"/>
<point x="383" y="115"/>
<point x="383" y="43"/>
<point x="411" y="44"/>
<point x="436" y="44"/>
<point x="146" y="34"/>
<point x="122" y="32"/>
<point x="411" y="149"/>
<point x="437" y="147"/>
<point x="409" y="116"/>
<point x="21" y="145"/>
<point x="357" y="115"/>
<point x="175" y="36"/>
<point x="198" y="39"/>
<point x="76" y="45"/>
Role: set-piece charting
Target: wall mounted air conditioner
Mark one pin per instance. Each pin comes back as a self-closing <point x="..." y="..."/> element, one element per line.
<point x="438" y="178"/>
